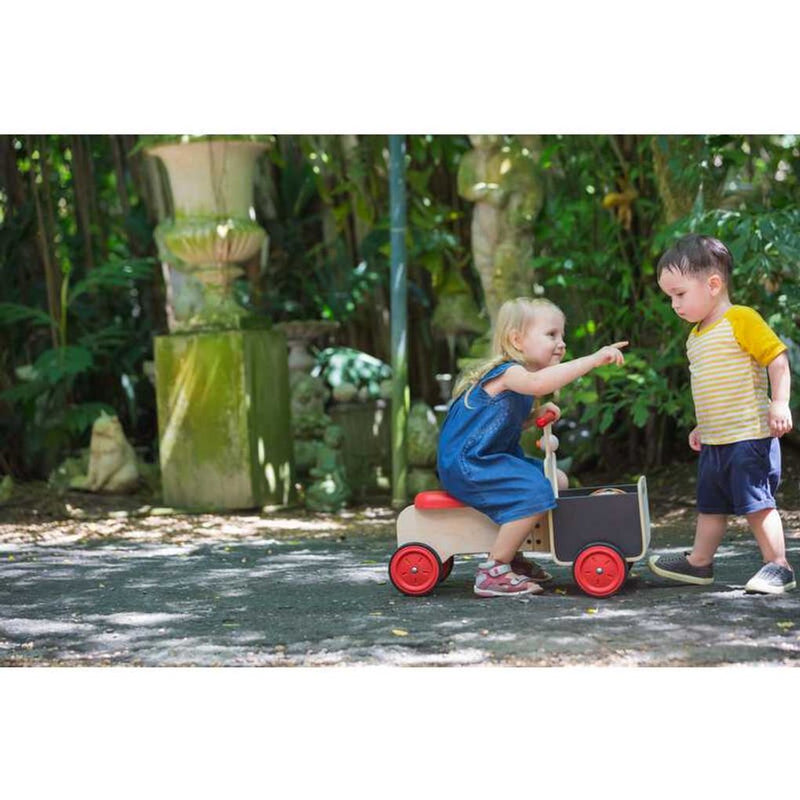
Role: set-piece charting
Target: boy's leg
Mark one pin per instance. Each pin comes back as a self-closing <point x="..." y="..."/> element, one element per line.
<point x="777" y="575"/>
<point x="708" y="535"/>
<point x="768" y="531"/>
<point x="695" y="567"/>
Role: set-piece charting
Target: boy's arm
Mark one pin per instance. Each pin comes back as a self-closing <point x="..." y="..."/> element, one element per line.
<point x="780" y="384"/>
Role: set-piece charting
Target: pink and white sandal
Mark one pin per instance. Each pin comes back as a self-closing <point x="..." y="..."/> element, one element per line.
<point x="495" y="579"/>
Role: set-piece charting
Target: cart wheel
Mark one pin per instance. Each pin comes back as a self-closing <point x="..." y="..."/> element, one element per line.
<point x="415" y="569"/>
<point x="447" y="568"/>
<point x="599" y="570"/>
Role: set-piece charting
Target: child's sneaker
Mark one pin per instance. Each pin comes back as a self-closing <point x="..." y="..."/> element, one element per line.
<point x="772" y="578"/>
<point x="530" y="569"/>
<point x="676" y="567"/>
<point x="495" y="579"/>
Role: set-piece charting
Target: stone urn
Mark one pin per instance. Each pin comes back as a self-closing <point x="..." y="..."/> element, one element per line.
<point x="213" y="230"/>
<point x="299" y="335"/>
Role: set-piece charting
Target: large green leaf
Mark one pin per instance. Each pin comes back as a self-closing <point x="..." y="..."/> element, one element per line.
<point x="58" y="363"/>
<point x="77" y="419"/>
<point x="116" y="274"/>
<point x="22" y="392"/>
<point x="13" y="313"/>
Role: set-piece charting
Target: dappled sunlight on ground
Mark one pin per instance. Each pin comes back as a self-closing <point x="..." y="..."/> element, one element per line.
<point x="100" y="580"/>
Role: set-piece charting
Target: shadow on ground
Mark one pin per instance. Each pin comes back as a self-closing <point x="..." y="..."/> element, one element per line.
<point x="305" y="590"/>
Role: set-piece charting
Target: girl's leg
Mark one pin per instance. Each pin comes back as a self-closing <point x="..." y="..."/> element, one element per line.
<point x="708" y="535"/>
<point x="563" y="480"/>
<point x="510" y="538"/>
<point x="768" y="530"/>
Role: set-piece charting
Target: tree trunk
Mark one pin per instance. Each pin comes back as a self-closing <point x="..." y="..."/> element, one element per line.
<point x="118" y="157"/>
<point x="51" y="272"/>
<point x="81" y="180"/>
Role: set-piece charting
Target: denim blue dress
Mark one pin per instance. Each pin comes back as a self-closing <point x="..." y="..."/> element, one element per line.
<point x="480" y="460"/>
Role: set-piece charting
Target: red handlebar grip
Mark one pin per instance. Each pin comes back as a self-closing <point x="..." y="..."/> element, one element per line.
<point x="546" y="418"/>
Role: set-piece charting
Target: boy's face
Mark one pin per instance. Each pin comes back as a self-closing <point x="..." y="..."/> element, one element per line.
<point x="693" y="296"/>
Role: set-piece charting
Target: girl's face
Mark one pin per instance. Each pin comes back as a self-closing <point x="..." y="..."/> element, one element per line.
<point x="693" y="297"/>
<point x="542" y="342"/>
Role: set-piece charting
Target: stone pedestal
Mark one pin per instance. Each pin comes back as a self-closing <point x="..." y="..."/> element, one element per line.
<point x="224" y="420"/>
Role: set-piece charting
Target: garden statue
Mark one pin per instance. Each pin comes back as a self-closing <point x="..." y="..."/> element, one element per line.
<point x="423" y="438"/>
<point x="112" y="460"/>
<point x="309" y="420"/>
<point x="6" y="488"/>
<point x="456" y="313"/>
<point x="330" y="491"/>
<point x="504" y="182"/>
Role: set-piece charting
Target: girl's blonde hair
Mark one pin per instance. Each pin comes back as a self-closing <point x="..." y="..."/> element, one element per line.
<point x="513" y="317"/>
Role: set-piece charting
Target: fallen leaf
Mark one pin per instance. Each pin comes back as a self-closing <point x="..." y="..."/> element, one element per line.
<point x="399" y="632"/>
<point x="376" y="613"/>
<point x="560" y="591"/>
<point x="591" y="610"/>
<point x="785" y="625"/>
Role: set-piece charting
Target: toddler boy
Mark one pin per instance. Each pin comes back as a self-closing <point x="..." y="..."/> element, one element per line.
<point x="731" y="352"/>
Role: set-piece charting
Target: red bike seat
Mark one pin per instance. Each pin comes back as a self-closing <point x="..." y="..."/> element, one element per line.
<point x="436" y="500"/>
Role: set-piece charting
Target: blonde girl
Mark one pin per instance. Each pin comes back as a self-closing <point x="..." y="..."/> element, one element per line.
<point x="480" y="460"/>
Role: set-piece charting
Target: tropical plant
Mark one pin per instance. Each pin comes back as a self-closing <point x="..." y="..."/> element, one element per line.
<point x="43" y="402"/>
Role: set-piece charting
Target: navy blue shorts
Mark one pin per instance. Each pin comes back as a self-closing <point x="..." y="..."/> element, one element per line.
<point x="738" y="478"/>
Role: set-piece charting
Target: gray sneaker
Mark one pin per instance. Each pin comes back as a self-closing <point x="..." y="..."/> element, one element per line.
<point x="772" y="578"/>
<point x="675" y="567"/>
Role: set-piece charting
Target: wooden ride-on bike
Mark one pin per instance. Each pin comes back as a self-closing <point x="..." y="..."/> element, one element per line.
<point x="601" y="531"/>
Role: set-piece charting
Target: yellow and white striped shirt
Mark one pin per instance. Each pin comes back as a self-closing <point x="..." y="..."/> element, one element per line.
<point x="727" y="362"/>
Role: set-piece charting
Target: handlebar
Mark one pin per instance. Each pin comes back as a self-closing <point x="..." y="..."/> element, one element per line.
<point x="545" y="419"/>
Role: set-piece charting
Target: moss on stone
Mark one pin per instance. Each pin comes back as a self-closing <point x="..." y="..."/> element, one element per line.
<point x="223" y="414"/>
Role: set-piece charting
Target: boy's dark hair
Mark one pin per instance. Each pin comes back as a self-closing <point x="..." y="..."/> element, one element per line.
<point x="694" y="254"/>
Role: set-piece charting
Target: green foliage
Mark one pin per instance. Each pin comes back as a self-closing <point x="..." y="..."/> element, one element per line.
<point x="338" y="365"/>
<point x="80" y="305"/>
<point x="612" y="205"/>
<point x="603" y="274"/>
<point x="43" y="401"/>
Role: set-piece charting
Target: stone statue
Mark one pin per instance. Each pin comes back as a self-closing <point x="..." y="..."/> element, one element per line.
<point x="503" y="179"/>
<point x="309" y="420"/>
<point x="6" y="488"/>
<point x="423" y="439"/>
<point x="112" y="460"/>
<point x="330" y="491"/>
<point x="456" y="313"/>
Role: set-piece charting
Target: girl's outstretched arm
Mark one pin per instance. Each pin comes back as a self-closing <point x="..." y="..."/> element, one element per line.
<point x="548" y="379"/>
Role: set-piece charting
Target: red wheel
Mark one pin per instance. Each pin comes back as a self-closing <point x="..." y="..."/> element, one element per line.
<point x="447" y="568"/>
<point x="599" y="570"/>
<point x="415" y="569"/>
